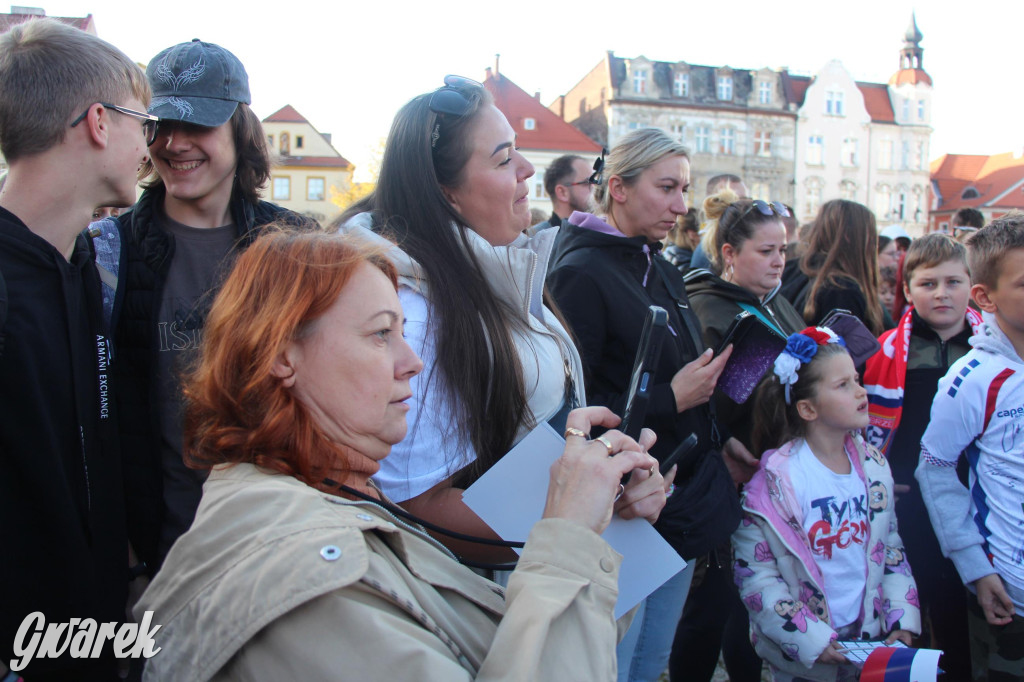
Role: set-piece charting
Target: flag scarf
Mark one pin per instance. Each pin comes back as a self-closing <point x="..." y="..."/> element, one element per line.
<point x="885" y="377"/>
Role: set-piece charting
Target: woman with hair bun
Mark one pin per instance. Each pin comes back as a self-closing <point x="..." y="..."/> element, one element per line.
<point x="607" y="273"/>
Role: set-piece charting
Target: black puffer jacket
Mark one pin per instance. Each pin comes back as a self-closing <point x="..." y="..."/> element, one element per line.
<point x="149" y="251"/>
<point x="717" y="303"/>
<point x="603" y="284"/>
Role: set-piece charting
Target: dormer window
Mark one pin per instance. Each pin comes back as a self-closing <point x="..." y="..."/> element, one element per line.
<point x="640" y="81"/>
<point x="298" y="141"/>
<point x="724" y="88"/>
<point x="970" y="193"/>
<point x="529" y="123"/>
<point x="764" y="92"/>
<point x="682" y="85"/>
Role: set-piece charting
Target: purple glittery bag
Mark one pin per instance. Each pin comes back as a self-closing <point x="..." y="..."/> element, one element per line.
<point x="755" y="346"/>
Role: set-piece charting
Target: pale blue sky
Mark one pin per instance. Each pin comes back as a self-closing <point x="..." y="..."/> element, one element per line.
<point x="348" y="66"/>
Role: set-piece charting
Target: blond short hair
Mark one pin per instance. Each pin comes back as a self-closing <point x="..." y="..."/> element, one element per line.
<point x="49" y="73"/>
<point x="632" y="155"/>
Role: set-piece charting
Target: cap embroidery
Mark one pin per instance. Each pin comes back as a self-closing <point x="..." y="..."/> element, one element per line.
<point x="185" y="109"/>
<point x="189" y="75"/>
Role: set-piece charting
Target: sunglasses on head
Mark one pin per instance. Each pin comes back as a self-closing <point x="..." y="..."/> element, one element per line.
<point x="449" y="101"/>
<point x="766" y="208"/>
<point x="598" y="175"/>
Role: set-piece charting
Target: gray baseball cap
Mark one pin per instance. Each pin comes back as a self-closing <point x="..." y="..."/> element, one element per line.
<point x="198" y="83"/>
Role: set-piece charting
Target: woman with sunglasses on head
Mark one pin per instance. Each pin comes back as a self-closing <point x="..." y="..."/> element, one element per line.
<point x="608" y="272"/>
<point x="841" y="261"/>
<point x="452" y="196"/>
<point x="748" y="253"/>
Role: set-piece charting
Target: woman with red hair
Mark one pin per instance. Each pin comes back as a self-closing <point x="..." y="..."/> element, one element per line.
<point x="296" y="566"/>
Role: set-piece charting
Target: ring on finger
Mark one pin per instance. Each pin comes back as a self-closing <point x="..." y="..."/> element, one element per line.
<point x="607" y="443"/>
<point x="651" y="470"/>
<point x="573" y="431"/>
<point x="622" y="489"/>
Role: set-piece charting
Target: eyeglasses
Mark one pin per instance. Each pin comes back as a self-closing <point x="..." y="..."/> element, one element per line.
<point x="598" y="175"/>
<point x="449" y="101"/>
<point x="766" y="208"/>
<point x="150" y="123"/>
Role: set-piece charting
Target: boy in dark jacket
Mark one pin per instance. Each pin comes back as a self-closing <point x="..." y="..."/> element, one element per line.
<point x="74" y="132"/>
<point x="201" y="205"/>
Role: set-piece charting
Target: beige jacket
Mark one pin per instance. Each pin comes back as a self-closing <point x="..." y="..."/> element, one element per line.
<point x="278" y="581"/>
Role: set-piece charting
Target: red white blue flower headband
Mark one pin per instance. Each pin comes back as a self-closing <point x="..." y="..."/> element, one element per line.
<point x="801" y="349"/>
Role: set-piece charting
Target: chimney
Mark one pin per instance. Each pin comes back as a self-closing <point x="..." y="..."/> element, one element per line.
<point x="488" y="72"/>
<point x="497" y="71"/>
<point x="536" y="95"/>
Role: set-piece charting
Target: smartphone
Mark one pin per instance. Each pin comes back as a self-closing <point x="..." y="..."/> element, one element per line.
<point x="677" y="455"/>
<point x="641" y="382"/>
<point x="859" y="340"/>
<point x="755" y="346"/>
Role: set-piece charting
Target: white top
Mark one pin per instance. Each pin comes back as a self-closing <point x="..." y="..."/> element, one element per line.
<point x="436" y="446"/>
<point x="835" y="518"/>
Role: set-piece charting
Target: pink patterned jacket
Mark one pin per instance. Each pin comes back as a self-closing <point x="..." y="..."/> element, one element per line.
<point x="780" y="583"/>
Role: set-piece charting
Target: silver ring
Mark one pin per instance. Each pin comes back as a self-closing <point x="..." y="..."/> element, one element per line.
<point x="607" y="443"/>
<point x="622" y="489"/>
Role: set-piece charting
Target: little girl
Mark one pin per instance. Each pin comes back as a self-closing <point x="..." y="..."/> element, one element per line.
<point x="818" y="557"/>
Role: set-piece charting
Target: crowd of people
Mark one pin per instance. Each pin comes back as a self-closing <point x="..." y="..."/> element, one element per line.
<point x="259" y="429"/>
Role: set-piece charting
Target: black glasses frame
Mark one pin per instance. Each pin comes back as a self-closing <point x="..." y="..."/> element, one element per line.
<point x="597" y="177"/>
<point x="150" y="123"/>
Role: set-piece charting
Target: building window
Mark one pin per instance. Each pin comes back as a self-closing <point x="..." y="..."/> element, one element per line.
<point x="885" y="155"/>
<point x="883" y="203"/>
<point x="764" y="92"/>
<point x="538" y="186"/>
<point x="298" y="141"/>
<point x="834" y="102"/>
<point x="529" y="123"/>
<point x="905" y="155"/>
<point x="682" y="85"/>
<point x="725" y="87"/>
<point x="633" y="125"/>
<point x="640" y="81"/>
<point x="813" y="200"/>
<point x="315" y="188"/>
<point x="922" y="156"/>
<point x="270" y="141"/>
<point x="850" y="152"/>
<point x="286" y="144"/>
<point x="282" y="187"/>
<point x="762" y="143"/>
<point x="760" y="190"/>
<point x="703" y="138"/>
<point x="901" y="205"/>
<point x="847" y="190"/>
<point x="920" y="110"/>
<point x="678" y="131"/>
<point x="815" y="150"/>
<point x="727" y="142"/>
<point x="906" y="109"/>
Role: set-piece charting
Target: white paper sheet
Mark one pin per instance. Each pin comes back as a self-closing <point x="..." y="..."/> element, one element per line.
<point x="510" y="498"/>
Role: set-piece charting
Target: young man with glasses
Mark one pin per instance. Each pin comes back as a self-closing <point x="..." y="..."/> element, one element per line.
<point x="208" y="163"/>
<point x="74" y="134"/>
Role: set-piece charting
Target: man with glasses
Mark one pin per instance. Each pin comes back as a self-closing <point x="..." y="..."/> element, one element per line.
<point x="567" y="182"/>
<point x="73" y="129"/>
<point x="208" y="163"/>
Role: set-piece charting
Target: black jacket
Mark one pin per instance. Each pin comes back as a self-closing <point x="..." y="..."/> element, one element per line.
<point x="598" y="284"/>
<point x="717" y="303"/>
<point x="62" y="515"/>
<point x="150" y="251"/>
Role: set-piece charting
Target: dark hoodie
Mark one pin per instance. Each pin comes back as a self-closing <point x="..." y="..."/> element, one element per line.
<point x="717" y="303"/>
<point x="603" y="282"/>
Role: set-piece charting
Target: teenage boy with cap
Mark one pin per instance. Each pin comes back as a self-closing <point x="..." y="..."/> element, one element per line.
<point x="73" y="129"/>
<point x="200" y="207"/>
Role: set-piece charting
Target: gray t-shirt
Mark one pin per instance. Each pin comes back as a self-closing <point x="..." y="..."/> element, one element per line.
<point x="196" y="268"/>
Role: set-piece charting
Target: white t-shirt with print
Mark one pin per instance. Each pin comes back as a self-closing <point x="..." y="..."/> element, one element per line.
<point x="835" y="518"/>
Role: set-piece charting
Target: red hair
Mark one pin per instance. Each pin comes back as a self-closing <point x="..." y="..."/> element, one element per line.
<point x="235" y="409"/>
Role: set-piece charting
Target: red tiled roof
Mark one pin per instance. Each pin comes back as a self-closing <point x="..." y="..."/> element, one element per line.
<point x="82" y="23"/>
<point x="286" y="114"/>
<point x="338" y="161"/>
<point x="877" y="102"/>
<point x="549" y="131"/>
<point x="912" y="76"/>
<point x="996" y="179"/>
<point x="799" y="85"/>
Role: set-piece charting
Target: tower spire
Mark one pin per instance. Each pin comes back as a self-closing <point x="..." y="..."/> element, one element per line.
<point x="912" y="53"/>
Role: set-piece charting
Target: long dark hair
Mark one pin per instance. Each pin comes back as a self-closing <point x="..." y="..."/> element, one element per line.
<point x="479" y="368"/>
<point x="844" y="241"/>
<point x="775" y="422"/>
